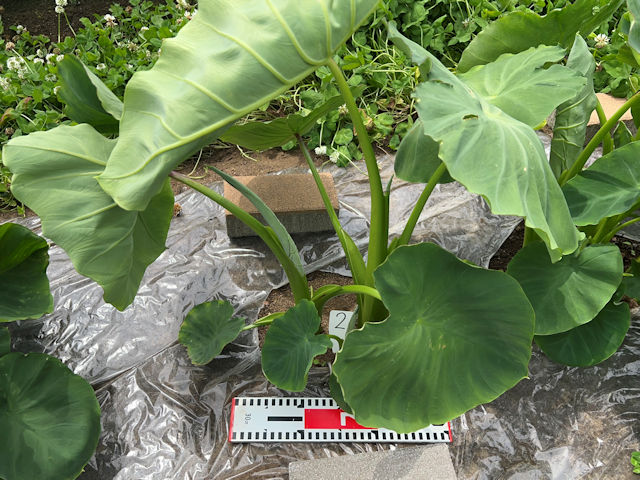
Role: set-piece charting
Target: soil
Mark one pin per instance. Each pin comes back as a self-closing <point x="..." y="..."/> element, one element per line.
<point x="38" y="16"/>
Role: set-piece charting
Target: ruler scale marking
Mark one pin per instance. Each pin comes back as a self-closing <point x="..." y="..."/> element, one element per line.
<point x="268" y="419"/>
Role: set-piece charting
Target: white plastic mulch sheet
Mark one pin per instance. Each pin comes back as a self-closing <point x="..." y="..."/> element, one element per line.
<point x="166" y="419"/>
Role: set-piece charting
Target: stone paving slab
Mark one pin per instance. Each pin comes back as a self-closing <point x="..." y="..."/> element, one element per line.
<point x="414" y="463"/>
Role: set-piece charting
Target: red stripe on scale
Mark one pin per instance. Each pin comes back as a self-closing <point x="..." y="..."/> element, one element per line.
<point x="330" y="419"/>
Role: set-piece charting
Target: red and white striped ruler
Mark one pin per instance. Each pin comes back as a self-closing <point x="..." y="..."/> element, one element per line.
<point x="269" y="419"/>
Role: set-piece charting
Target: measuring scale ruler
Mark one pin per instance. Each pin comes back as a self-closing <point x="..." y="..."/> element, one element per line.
<point x="269" y="419"/>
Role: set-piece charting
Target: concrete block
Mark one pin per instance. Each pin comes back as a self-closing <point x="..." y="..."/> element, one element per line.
<point x="293" y="198"/>
<point x="415" y="463"/>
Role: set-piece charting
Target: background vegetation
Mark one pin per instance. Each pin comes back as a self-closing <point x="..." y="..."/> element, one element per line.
<point x="128" y="39"/>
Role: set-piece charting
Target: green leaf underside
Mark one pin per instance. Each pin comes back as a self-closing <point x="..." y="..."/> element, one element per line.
<point x="457" y="336"/>
<point x="570" y="292"/>
<point x="591" y="343"/>
<point x="261" y="136"/>
<point x="24" y="286"/>
<point x="417" y="158"/>
<point x="518" y="31"/>
<point x="54" y="175"/>
<point x="207" y="329"/>
<point x="87" y="99"/>
<point x="5" y="341"/>
<point x="233" y="57"/>
<point x="520" y="86"/>
<point x="291" y="344"/>
<point x="285" y="239"/>
<point x="495" y="155"/>
<point x="573" y="116"/>
<point x="49" y="419"/>
<point x="608" y="187"/>
<point x="337" y="395"/>
<point x="634" y="29"/>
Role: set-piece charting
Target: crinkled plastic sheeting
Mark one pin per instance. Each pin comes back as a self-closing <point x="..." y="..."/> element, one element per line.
<point x="164" y="418"/>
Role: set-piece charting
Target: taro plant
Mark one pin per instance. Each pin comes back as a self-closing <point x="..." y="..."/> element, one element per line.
<point x="435" y="336"/>
<point x="49" y="417"/>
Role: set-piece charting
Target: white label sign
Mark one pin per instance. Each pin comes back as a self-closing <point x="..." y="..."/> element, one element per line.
<point x="340" y="322"/>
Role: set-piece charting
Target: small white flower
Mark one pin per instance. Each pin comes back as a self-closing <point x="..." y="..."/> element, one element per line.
<point x="101" y="67"/>
<point x="343" y="110"/>
<point x="601" y="40"/>
<point x="10" y="46"/>
<point x="21" y="74"/>
<point x="50" y="77"/>
<point x="129" y="66"/>
<point x="147" y="54"/>
<point x="19" y="29"/>
<point x="38" y="60"/>
<point x="61" y="3"/>
<point x="335" y="155"/>
<point x="111" y="20"/>
<point x="59" y="9"/>
<point x="143" y="29"/>
<point x="321" y="150"/>
<point x="40" y="53"/>
<point x="14" y="63"/>
<point x="59" y="58"/>
<point x="182" y="4"/>
<point x="5" y="83"/>
<point x="132" y="47"/>
<point x="49" y="56"/>
<point x="55" y="89"/>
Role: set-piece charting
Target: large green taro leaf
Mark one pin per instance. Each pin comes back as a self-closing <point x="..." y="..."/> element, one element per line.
<point x="54" y="175"/>
<point x="573" y="116"/>
<point x="521" y="87"/>
<point x="456" y="336"/>
<point x="519" y="31"/>
<point x="206" y="330"/>
<point x="492" y="153"/>
<point x="570" y="292"/>
<point x="49" y="419"/>
<point x="291" y="344"/>
<point x="591" y="343"/>
<point x="24" y="286"/>
<point x="608" y="187"/>
<point x="87" y="99"/>
<point x="233" y="57"/>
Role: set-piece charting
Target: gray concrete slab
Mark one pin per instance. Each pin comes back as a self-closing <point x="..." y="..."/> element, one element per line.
<point x="429" y="462"/>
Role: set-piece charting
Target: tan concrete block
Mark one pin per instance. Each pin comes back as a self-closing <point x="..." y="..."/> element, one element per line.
<point x="610" y="105"/>
<point x="293" y="198"/>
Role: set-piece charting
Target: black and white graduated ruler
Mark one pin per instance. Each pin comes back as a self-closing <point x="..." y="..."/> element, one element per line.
<point x="269" y="419"/>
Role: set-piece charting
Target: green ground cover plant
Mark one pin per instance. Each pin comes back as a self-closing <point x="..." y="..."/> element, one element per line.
<point x="417" y="355"/>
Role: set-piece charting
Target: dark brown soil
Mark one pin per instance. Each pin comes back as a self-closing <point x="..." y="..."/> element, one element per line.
<point x="39" y="18"/>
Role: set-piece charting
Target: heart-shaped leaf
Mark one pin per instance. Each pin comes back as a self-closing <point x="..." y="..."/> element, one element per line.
<point x="5" y="341"/>
<point x="207" y="329"/>
<point x="24" y="286"/>
<point x="457" y="336"/>
<point x="521" y="30"/>
<point x="54" y="175"/>
<point x="495" y="155"/>
<point x="49" y="419"/>
<point x="608" y="187"/>
<point x="86" y="98"/>
<point x="570" y="292"/>
<point x="591" y="343"/>
<point x="573" y="115"/>
<point x="417" y="157"/>
<point x="521" y="87"/>
<point x="291" y="344"/>
<point x="232" y="58"/>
